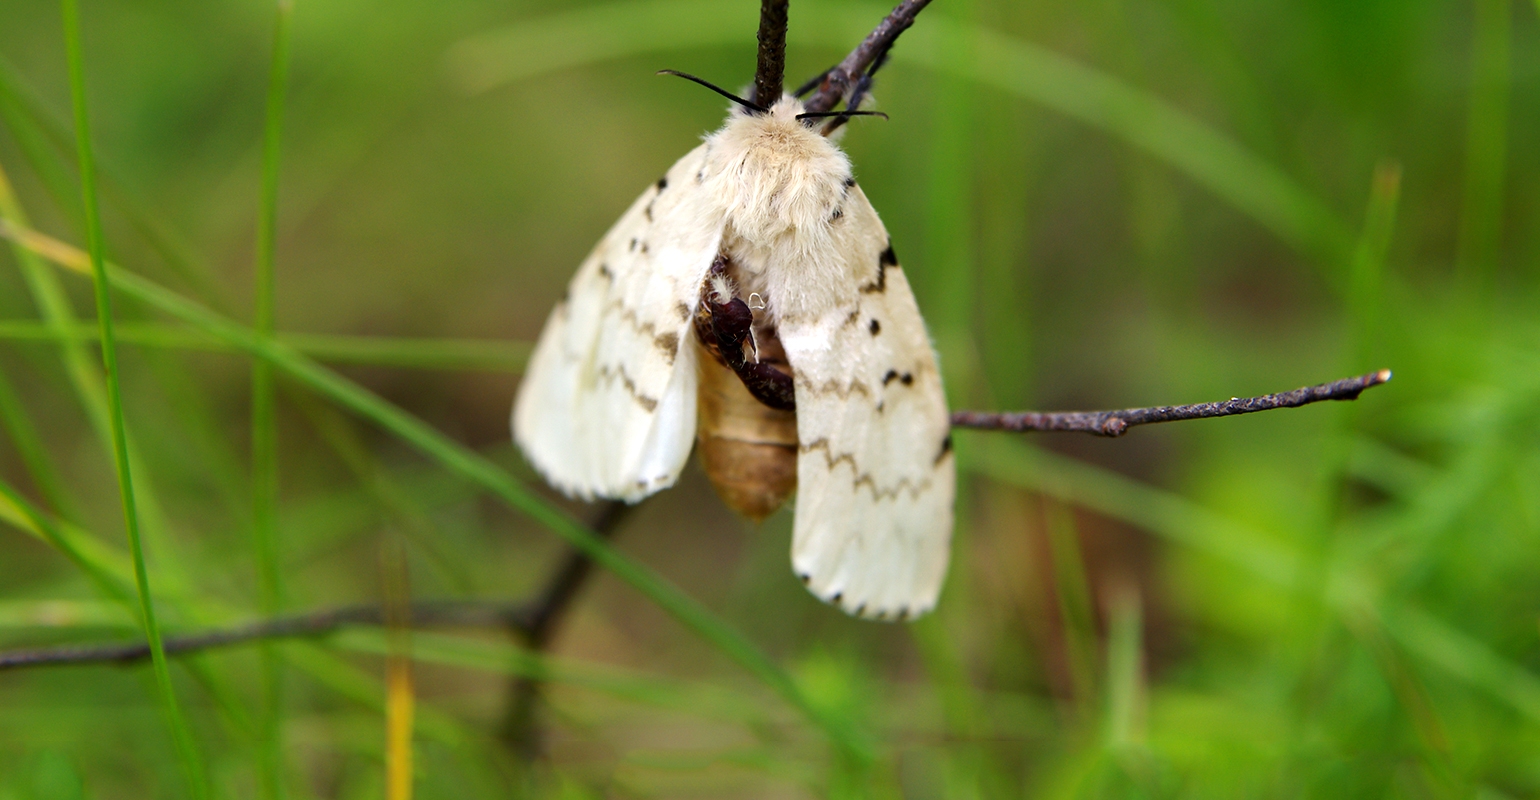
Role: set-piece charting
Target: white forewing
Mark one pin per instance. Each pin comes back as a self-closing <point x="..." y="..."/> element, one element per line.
<point x="875" y="471"/>
<point x="606" y="407"/>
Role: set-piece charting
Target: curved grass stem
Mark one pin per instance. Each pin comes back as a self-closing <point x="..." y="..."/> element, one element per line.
<point x="186" y="749"/>
<point x="264" y="428"/>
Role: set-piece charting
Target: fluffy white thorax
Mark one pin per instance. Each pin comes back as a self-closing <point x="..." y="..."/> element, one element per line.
<point x="776" y="181"/>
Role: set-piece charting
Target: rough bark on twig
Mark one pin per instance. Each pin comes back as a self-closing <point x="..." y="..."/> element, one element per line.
<point x="838" y="82"/>
<point x="1117" y="423"/>
<point x="770" y="70"/>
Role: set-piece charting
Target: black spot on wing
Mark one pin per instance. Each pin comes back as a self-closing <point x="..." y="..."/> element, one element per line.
<point x="890" y="377"/>
<point x="906" y="379"/>
<point x="850" y="181"/>
<point x="662" y="183"/>
<point x="835" y="217"/>
<point x="633" y="244"/>
<point x="886" y="259"/>
<point x="875" y="327"/>
<point x="648" y="210"/>
<point x="606" y="272"/>
<point x="946" y="447"/>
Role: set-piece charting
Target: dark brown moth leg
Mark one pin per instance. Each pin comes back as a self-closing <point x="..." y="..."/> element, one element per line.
<point x="725" y="328"/>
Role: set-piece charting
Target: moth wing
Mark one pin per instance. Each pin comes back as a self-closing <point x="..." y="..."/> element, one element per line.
<point x="875" y="472"/>
<point x="606" y="407"/>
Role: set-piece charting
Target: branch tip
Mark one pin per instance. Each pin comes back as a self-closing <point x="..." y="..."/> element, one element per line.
<point x="1116" y="423"/>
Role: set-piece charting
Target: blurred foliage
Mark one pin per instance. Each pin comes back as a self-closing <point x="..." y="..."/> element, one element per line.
<point x="1114" y="203"/>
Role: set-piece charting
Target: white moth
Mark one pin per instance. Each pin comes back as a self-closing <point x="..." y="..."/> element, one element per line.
<point x="765" y="210"/>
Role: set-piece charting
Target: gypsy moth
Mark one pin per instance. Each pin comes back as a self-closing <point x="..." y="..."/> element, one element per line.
<point x="838" y="395"/>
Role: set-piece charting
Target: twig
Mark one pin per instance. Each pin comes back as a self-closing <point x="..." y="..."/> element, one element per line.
<point x="444" y="613"/>
<point x="539" y="625"/>
<point x="770" y="71"/>
<point x="839" y="81"/>
<point x="1117" y="423"/>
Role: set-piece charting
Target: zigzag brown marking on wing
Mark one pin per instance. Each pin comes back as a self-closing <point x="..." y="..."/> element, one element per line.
<point x="904" y="485"/>
<point x="666" y="342"/>
<point x="610" y="376"/>
<point x="834" y="388"/>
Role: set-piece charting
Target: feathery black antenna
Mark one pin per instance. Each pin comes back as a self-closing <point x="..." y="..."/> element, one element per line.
<point x="770" y="72"/>
<point x="842" y="114"/>
<point x="750" y="105"/>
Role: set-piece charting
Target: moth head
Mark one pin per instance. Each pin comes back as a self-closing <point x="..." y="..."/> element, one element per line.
<point x="788" y="104"/>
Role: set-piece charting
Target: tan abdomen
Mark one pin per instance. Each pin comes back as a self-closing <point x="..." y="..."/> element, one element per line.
<point x="748" y="449"/>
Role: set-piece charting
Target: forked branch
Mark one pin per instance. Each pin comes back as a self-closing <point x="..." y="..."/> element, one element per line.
<point x="842" y="79"/>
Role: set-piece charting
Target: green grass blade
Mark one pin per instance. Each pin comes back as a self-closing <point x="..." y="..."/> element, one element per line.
<point x="1125" y="670"/>
<point x="85" y="376"/>
<point x="45" y="154"/>
<point x="264" y="433"/>
<point x="951" y="189"/>
<point x="264" y="450"/>
<point x="49" y="147"/>
<point x="337" y="431"/>
<point x="1366" y="278"/>
<point x="110" y="574"/>
<point x="1486" y="144"/>
<point x="469" y="354"/>
<point x="1077" y="617"/>
<point x="186" y="749"/>
<point x="377" y="351"/>
<point x="18" y="423"/>
<point x="1466" y="658"/>
<point x="461" y="460"/>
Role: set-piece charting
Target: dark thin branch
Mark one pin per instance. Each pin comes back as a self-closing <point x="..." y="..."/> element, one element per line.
<point x="770" y="71"/>
<point x="446" y="613"/>
<point x="1117" y="423"/>
<point x="532" y="619"/>
<point x="539" y="625"/>
<point x="840" y="81"/>
<point x="545" y="612"/>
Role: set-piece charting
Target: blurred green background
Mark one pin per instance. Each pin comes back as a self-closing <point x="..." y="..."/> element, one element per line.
<point x="1102" y="204"/>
